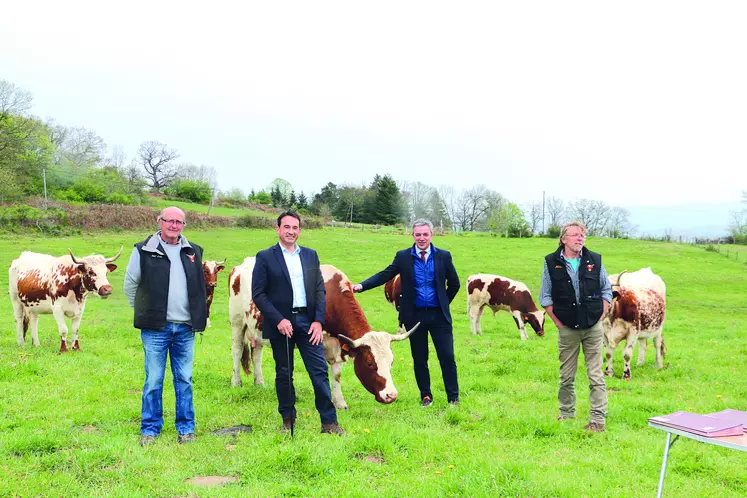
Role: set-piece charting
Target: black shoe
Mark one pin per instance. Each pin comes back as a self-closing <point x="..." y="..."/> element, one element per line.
<point x="426" y="401"/>
<point x="454" y="402"/>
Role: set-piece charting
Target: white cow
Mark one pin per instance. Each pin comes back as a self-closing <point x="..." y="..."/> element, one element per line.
<point x="41" y="284"/>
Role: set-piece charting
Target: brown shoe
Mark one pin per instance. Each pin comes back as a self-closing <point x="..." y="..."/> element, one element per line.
<point x="333" y="428"/>
<point x="562" y="417"/>
<point x="147" y="440"/>
<point x="186" y="438"/>
<point x="288" y="423"/>
<point x="594" y="427"/>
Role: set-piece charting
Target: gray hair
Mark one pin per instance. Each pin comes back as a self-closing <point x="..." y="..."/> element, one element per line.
<point x="421" y="222"/>
<point x="163" y="211"/>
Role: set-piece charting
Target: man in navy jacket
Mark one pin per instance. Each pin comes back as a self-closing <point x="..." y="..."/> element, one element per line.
<point x="288" y="289"/>
<point x="429" y="284"/>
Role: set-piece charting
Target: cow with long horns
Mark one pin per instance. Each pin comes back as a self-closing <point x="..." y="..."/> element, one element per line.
<point x="40" y="284"/>
<point x="347" y="334"/>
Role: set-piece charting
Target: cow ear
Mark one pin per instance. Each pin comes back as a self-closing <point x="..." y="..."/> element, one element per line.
<point x="615" y="294"/>
<point x="219" y="269"/>
<point x="525" y="317"/>
<point x="111" y="267"/>
<point x="346" y="343"/>
<point x="82" y="268"/>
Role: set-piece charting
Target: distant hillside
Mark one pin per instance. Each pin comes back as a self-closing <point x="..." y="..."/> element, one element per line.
<point x="686" y="220"/>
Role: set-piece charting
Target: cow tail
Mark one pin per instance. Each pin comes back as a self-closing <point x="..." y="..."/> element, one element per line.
<point x="246" y="356"/>
<point x="25" y="324"/>
<point x="663" y="350"/>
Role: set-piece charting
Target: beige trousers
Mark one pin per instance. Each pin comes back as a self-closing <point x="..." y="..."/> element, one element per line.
<point x="570" y="341"/>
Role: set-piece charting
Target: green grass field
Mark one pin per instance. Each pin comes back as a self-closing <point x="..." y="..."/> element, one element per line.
<point x="216" y="211"/>
<point x="69" y="424"/>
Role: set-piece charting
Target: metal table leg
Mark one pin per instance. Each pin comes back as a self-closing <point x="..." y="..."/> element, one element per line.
<point x="668" y="445"/>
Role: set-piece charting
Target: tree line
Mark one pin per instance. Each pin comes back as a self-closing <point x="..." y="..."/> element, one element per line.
<point x="73" y="164"/>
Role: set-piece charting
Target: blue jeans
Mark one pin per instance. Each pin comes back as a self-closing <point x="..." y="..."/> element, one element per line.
<point x="177" y="340"/>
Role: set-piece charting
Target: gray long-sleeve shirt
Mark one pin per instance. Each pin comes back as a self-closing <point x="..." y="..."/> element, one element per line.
<point x="177" y="309"/>
<point x="546" y="288"/>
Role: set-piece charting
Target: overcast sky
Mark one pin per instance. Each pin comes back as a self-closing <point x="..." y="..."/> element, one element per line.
<point x="634" y="103"/>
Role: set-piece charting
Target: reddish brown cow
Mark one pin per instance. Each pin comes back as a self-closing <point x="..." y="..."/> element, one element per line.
<point x="393" y="291"/>
<point x="501" y="293"/>
<point x="210" y="269"/>
<point x="40" y="284"/>
<point x="637" y="314"/>
<point x="346" y="334"/>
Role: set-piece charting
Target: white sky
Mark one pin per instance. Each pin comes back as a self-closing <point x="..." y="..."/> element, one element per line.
<point x="634" y="103"/>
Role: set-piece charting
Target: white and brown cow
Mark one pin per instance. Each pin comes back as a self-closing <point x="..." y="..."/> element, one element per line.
<point x="501" y="293"/>
<point x="346" y="334"/>
<point x="393" y="291"/>
<point x="40" y="284"/>
<point x="210" y="269"/>
<point x="636" y="314"/>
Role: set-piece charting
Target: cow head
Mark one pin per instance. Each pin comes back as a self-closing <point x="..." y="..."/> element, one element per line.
<point x="211" y="270"/>
<point x="93" y="269"/>
<point x="373" y="360"/>
<point x="537" y="320"/>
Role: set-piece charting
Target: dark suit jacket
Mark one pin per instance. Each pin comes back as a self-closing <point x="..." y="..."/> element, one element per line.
<point x="447" y="281"/>
<point x="272" y="291"/>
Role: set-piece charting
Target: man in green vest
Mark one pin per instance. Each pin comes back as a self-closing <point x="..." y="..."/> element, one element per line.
<point x="576" y="294"/>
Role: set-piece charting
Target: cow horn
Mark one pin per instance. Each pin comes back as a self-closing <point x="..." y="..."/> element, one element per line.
<point x="73" y="257"/>
<point x="109" y="260"/>
<point x="405" y="335"/>
<point x="352" y="343"/>
<point x="220" y="262"/>
<point x="617" y="284"/>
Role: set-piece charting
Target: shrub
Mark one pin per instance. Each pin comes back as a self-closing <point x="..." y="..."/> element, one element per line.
<point x="553" y="231"/>
<point x="190" y="190"/>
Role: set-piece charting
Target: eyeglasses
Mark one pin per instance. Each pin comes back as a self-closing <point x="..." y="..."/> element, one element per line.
<point x="172" y="222"/>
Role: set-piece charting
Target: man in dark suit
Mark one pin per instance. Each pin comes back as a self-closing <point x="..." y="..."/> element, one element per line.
<point x="429" y="284"/>
<point x="288" y="289"/>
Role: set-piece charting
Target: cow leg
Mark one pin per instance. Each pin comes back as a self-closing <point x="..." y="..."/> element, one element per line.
<point x="659" y="346"/>
<point x="520" y="324"/>
<point x="475" y="313"/>
<point x="238" y="345"/>
<point x="609" y="353"/>
<point x="22" y="321"/>
<point x="59" y="317"/>
<point x="642" y="345"/>
<point x="259" y="378"/>
<point x="74" y="326"/>
<point x="628" y="354"/>
<point x="337" y="398"/>
<point x="34" y="326"/>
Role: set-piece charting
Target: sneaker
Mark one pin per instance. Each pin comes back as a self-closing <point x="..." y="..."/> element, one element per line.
<point x="333" y="428"/>
<point x="594" y="427"/>
<point x="427" y="401"/>
<point x="185" y="438"/>
<point x="454" y="402"/>
<point x="288" y="423"/>
<point x="147" y="440"/>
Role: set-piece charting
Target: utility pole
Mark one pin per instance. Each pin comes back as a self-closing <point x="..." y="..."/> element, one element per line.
<point x="212" y="198"/>
<point x="44" y="177"/>
<point x="543" y="211"/>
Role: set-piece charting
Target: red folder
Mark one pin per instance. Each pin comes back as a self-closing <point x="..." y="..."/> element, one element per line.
<point x="703" y="425"/>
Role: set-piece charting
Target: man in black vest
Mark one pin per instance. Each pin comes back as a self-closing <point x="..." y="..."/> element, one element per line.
<point x="288" y="289"/>
<point x="165" y="284"/>
<point x="576" y="294"/>
<point x="429" y="284"/>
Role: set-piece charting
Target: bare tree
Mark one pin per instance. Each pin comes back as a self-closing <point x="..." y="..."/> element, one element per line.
<point x="618" y="223"/>
<point x="418" y="196"/>
<point x="117" y="158"/>
<point x="156" y="160"/>
<point x="472" y="205"/>
<point x="449" y="198"/>
<point x="13" y="100"/>
<point x="556" y="211"/>
<point x="533" y="214"/>
<point x="591" y="213"/>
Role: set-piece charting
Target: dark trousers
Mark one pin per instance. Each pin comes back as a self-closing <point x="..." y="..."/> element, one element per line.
<point x="315" y="363"/>
<point x="432" y="320"/>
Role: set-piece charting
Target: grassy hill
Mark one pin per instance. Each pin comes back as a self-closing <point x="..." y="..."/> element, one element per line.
<point x="215" y="211"/>
<point x="70" y="423"/>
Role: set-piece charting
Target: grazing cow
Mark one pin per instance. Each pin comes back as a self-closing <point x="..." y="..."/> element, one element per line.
<point x="346" y="333"/>
<point x="211" y="269"/>
<point x="40" y="284"/>
<point x="636" y="314"/>
<point x="501" y="293"/>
